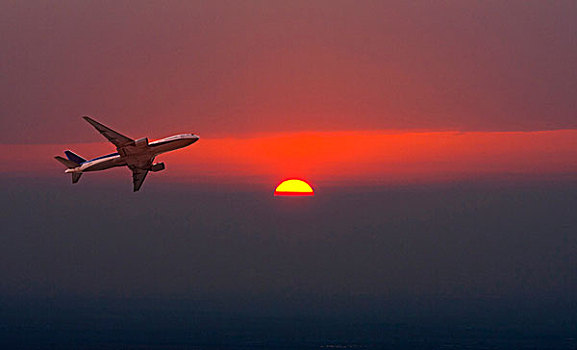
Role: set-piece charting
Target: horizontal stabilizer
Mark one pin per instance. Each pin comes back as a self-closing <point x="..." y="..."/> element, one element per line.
<point x="66" y="162"/>
<point x="74" y="157"/>
<point x="76" y="177"/>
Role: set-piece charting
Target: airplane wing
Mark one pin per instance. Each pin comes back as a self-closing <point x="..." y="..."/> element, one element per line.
<point x="117" y="139"/>
<point x="138" y="176"/>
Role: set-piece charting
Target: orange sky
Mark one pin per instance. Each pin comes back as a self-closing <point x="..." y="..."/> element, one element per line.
<point x="355" y="157"/>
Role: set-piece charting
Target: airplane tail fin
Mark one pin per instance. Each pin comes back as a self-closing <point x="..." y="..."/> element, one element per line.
<point x="70" y="164"/>
<point x="74" y="157"/>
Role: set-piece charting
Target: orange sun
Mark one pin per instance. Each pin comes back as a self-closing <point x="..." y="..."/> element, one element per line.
<point x="294" y="187"/>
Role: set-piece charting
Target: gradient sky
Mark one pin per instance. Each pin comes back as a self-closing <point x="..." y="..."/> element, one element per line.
<point x="345" y="74"/>
<point x="330" y="158"/>
<point x="227" y="68"/>
<point x="440" y="137"/>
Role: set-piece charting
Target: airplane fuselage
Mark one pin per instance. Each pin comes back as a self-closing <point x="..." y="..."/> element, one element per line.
<point x="141" y="153"/>
<point x="138" y="155"/>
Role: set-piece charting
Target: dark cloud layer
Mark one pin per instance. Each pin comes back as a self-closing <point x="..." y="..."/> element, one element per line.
<point x="227" y="67"/>
<point x="185" y="265"/>
<point x="454" y="241"/>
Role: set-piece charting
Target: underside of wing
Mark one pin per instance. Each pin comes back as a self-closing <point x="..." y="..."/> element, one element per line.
<point x="116" y="138"/>
<point x="138" y="176"/>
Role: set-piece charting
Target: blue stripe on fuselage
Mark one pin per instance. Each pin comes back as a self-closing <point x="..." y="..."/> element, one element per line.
<point x="106" y="156"/>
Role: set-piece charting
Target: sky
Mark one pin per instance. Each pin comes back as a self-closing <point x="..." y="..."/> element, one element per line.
<point x="228" y="68"/>
<point x="440" y="138"/>
<point x="368" y="158"/>
<point x="314" y="72"/>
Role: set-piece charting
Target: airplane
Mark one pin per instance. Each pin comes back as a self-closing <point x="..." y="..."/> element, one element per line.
<point x="138" y="155"/>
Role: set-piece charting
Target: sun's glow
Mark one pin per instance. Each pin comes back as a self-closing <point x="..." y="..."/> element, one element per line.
<point x="294" y="187"/>
<point x="374" y="158"/>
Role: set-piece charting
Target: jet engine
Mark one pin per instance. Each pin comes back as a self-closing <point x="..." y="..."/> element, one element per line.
<point x="157" y="167"/>
<point x="143" y="142"/>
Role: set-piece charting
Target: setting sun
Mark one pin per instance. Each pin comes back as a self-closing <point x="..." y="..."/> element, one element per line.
<point x="294" y="187"/>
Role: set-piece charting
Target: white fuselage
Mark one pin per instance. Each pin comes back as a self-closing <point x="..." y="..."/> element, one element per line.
<point x="140" y="154"/>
